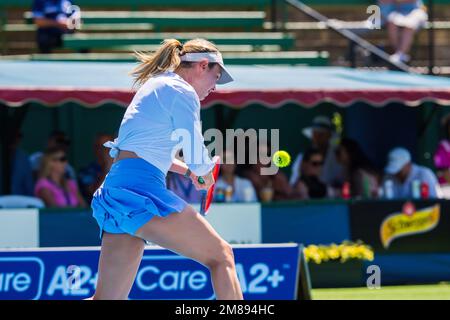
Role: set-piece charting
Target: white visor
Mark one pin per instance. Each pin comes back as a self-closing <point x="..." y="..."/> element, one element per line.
<point x="215" y="57"/>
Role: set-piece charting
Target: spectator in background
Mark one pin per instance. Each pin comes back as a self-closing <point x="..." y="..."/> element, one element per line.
<point x="242" y="189"/>
<point x="442" y="155"/>
<point x="183" y="186"/>
<point x="403" y="19"/>
<point x="21" y="173"/>
<point x="273" y="187"/>
<point x="321" y="133"/>
<point x="358" y="169"/>
<point x="309" y="184"/>
<point x="56" y="139"/>
<point x="53" y="18"/>
<point x="404" y="173"/>
<point x="53" y="187"/>
<point x="92" y="176"/>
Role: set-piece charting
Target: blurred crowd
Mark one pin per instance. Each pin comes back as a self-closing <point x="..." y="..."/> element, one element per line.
<point x="401" y="18"/>
<point x="330" y="167"/>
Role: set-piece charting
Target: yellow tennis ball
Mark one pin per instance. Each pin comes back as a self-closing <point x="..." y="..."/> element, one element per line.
<point x="281" y="159"/>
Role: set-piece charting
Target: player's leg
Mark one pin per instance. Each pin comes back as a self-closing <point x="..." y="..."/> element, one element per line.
<point x="189" y="234"/>
<point x="120" y="257"/>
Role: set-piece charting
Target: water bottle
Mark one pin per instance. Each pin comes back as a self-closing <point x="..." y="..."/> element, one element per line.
<point x="424" y="190"/>
<point x="416" y="189"/>
<point x="228" y="193"/>
<point x="366" y="187"/>
<point x="346" y="193"/>
<point x="220" y="195"/>
<point x="389" y="189"/>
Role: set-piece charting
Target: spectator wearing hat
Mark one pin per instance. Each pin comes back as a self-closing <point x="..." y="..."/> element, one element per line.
<point x="442" y="155"/>
<point x="403" y="173"/>
<point x="321" y="134"/>
<point x="56" y="139"/>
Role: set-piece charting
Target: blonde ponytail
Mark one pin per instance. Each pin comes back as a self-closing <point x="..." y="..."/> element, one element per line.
<point x="167" y="57"/>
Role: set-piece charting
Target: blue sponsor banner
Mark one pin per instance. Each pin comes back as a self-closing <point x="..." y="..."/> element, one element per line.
<point x="264" y="271"/>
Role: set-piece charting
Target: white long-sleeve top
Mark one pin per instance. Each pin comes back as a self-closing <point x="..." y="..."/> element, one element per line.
<point x="162" y="118"/>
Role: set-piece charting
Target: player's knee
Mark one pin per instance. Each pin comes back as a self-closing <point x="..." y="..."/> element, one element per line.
<point x="223" y="256"/>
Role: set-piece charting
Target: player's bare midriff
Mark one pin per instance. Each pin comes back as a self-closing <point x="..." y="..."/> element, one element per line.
<point x="123" y="154"/>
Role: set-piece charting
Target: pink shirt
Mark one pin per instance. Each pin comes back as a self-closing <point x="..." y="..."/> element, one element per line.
<point x="442" y="158"/>
<point x="62" y="198"/>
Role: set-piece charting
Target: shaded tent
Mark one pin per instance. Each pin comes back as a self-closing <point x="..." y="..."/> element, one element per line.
<point x="258" y="91"/>
<point x="92" y="84"/>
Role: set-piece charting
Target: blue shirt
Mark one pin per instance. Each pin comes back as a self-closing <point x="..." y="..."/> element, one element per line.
<point x="51" y="9"/>
<point x="162" y="118"/>
<point x="22" y="175"/>
<point x="423" y="174"/>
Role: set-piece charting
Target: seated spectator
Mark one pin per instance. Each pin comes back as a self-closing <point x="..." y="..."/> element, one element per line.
<point x="403" y="173"/>
<point x="309" y="183"/>
<point x="242" y="189"/>
<point x="92" y="176"/>
<point x="403" y="19"/>
<point x="274" y="187"/>
<point x="53" y="18"/>
<point x="56" y="139"/>
<point x="53" y="187"/>
<point x="359" y="171"/>
<point x="183" y="186"/>
<point x="321" y="133"/>
<point x="442" y="154"/>
<point x="21" y="174"/>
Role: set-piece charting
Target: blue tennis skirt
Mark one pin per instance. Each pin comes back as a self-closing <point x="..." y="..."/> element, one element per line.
<point x="134" y="191"/>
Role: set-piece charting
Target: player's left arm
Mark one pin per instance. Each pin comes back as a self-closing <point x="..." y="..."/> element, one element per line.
<point x="180" y="167"/>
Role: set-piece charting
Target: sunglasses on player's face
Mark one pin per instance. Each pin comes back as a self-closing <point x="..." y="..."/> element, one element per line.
<point x="60" y="158"/>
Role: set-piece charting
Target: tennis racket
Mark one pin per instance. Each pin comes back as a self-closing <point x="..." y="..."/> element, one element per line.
<point x="208" y="195"/>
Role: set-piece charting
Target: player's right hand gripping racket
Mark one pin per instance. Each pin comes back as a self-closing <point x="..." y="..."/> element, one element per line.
<point x="208" y="195"/>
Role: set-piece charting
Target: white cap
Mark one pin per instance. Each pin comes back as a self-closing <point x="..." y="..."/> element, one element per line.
<point x="318" y="123"/>
<point x="397" y="159"/>
<point x="216" y="57"/>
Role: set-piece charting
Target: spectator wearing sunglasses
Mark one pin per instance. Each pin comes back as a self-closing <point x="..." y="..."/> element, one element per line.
<point x="322" y="135"/>
<point x="364" y="179"/>
<point x="309" y="183"/>
<point x="53" y="187"/>
<point x="56" y="139"/>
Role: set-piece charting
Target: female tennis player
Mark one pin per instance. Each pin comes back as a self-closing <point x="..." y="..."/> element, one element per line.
<point x="133" y="203"/>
